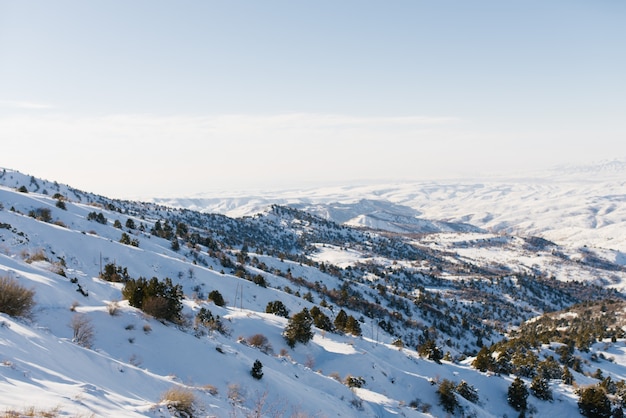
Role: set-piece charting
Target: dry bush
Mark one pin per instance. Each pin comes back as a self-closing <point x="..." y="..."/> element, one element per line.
<point x="261" y="342"/>
<point x="84" y="332"/>
<point x="180" y="400"/>
<point x="31" y="411"/>
<point x="336" y="376"/>
<point x="234" y="393"/>
<point x="38" y="255"/>
<point x="15" y="299"/>
<point x="113" y="308"/>
<point x="211" y="389"/>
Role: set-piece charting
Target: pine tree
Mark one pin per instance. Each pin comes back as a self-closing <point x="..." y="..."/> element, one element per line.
<point x="541" y="388"/>
<point x="467" y="391"/>
<point x="277" y="307"/>
<point x="298" y="328"/>
<point x="593" y="402"/>
<point x="320" y="320"/>
<point x="447" y="398"/>
<point x="257" y="370"/>
<point x="352" y="326"/>
<point x="341" y="321"/>
<point x="567" y="376"/>
<point x="216" y="297"/>
<point x="483" y="360"/>
<point x="517" y="395"/>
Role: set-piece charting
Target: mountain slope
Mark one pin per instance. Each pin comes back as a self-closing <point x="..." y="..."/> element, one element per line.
<point x="456" y="290"/>
<point x="575" y="206"/>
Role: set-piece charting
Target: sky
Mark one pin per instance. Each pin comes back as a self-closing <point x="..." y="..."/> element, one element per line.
<point x="153" y="98"/>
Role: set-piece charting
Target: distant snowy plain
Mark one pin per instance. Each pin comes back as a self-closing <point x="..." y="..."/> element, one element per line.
<point x="575" y="206"/>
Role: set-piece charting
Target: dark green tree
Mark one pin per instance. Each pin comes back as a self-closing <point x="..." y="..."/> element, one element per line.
<point x="298" y="328"/>
<point x="341" y="320"/>
<point x="483" y="360"/>
<point x="352" y="326"/>
<point x="216" y="297"/>
<point x="320" y="320"/>
<point x="447" y="397"/>
<point x="593" y="402"/>
<point x="130" y="224"/>
<point x="114" y="273"/>
<point x="540" y="388"/>
<point x="430" y="350"/>
<point x="257" y="370"/>
<point x="277" y="308"/>
<point x="467" y="391"/>
<point x="567" y="376"/>
<point x="161" y="299"/>
<point x="517" y="395"/>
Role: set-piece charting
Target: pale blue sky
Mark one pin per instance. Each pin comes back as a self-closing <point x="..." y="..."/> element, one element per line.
<point x="145" y="98"/>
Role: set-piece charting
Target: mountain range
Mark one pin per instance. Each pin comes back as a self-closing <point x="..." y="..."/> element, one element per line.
<point x="416" y="299"/>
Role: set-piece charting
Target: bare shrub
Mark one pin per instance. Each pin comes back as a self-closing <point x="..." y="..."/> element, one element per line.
<point x="38" y="255"/>
<point x="211" y="389"/>
<point x="336" y="376"/>
<point x="180" y="400"/>
<point x="113" y="308"/>
<point x="234" y="393"/>
<point x="261" y="342"/>
<point x="83" y="329"/>
<point x="15" y="300"/>
<point x="310" y="361"/>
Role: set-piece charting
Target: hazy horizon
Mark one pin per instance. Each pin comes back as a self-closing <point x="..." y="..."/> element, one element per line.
<point x="152" y="98"/>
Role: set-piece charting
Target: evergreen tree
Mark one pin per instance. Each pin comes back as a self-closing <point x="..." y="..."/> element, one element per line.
<point x="541" y="388"/>
<point x="467" y="391"/>
<point x="216" y="297"/>
<point x="567" y="376"/>
<point x="447" y="398"/>
<point x="277" y="307"/>
<point x="162" y="300"/>
<point x="257" y="370"/>
<point x="430" y="350"/>
<point x="593" y="402"/>
<point x="320" y="320"/>
<point x="341" y="320"/>
<point x="352" y="326"/>
<point x="298" y="328"/>
<point x="483" y="360"/>
<point x="517" y="395"/>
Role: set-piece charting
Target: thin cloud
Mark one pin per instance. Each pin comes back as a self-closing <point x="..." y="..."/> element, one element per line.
<point x="25" y="105"/>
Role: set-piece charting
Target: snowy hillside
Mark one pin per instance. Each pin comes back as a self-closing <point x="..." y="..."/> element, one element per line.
<point x="576" y="206"/>
<point x="417" y="311"/>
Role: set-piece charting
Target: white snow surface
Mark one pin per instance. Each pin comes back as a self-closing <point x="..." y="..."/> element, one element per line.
<point x="135" y="358"/>
<point x="576" y="206"/>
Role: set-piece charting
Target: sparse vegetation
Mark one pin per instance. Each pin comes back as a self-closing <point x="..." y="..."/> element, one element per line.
<point x="15" y="299"/>
<point x="83" y="330"/>
<point x="161" y="299"/>
<point x="180" y="401"/>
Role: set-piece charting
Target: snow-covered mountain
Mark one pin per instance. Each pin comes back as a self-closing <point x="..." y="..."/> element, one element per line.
<point x="421" y="307"/>
<point x="573" y="205"/>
